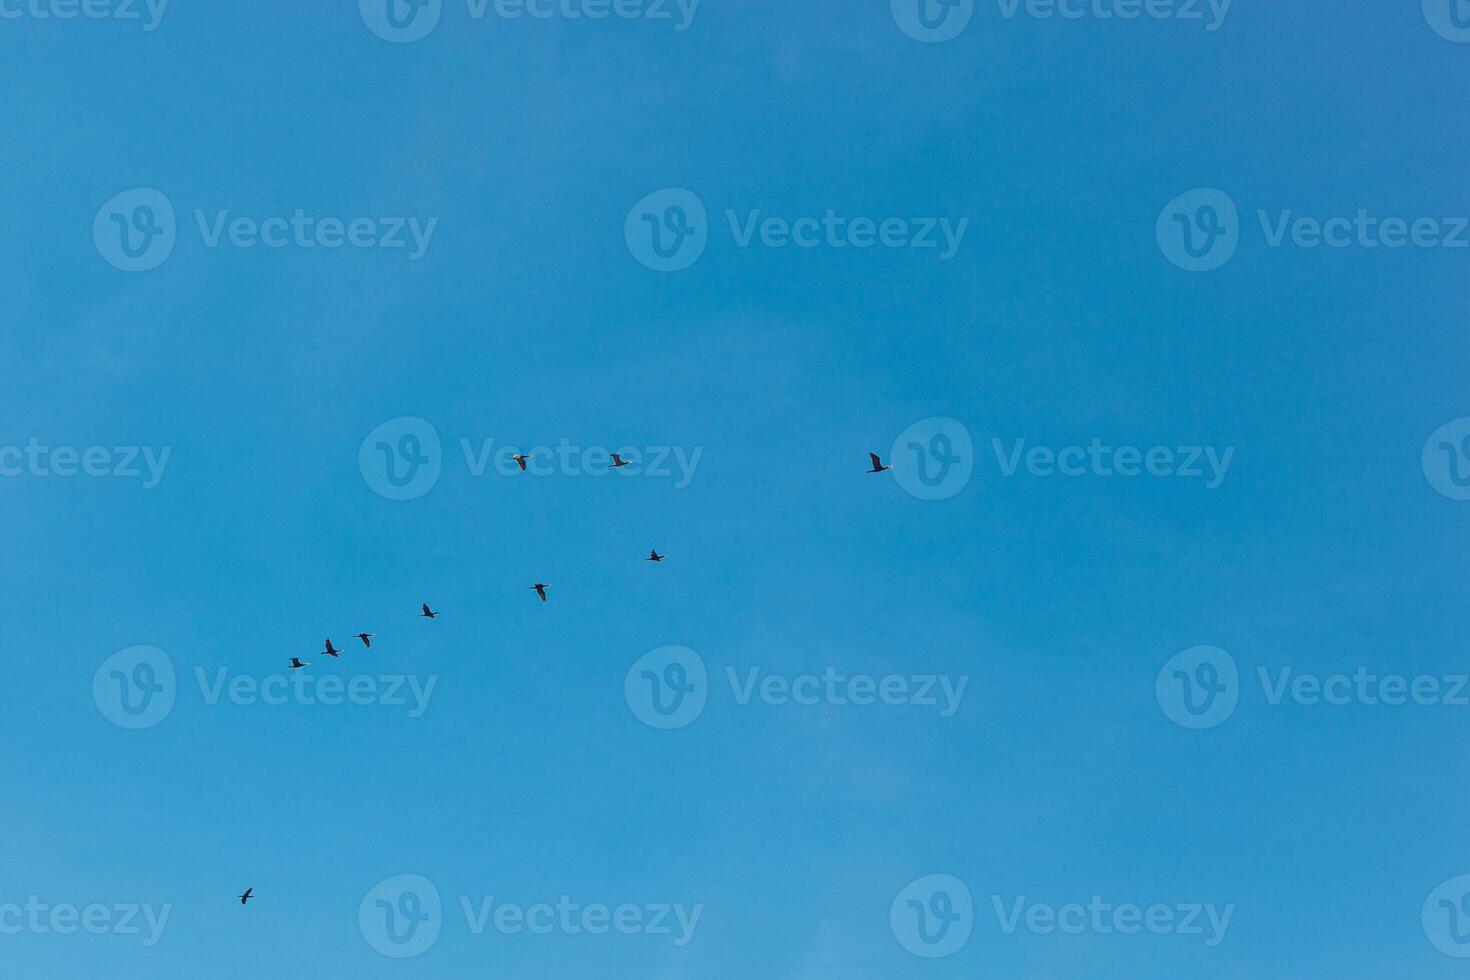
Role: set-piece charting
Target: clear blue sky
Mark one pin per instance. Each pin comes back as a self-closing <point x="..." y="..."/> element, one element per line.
<point x="529" y="320"/>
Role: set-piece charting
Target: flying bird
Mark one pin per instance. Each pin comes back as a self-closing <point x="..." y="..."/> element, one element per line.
<point x="428" y="613"/>
<point x="618" y="461"/>
<point x="878" y="466"/>
<point x="540" y="589"/>
<point x="331" y="651"/>
<point x="521" y="459"/>
<point x="366" y="638"/>
<point x="655" y="556"/>
<point x="249" y="894"/>
<point x="296" y="663"/>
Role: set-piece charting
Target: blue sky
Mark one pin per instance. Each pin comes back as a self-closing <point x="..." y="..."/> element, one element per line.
<point x="268" y="375"/>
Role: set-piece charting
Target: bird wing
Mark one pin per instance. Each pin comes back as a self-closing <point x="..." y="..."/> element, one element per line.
<point x="426" y="609"/>
<point x="877" y="463"/>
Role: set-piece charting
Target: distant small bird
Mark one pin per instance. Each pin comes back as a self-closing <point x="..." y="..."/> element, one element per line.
<point x="521" y="459"/>
<point x="428" y="613"/>
<point x="878" y="466"/>
<point x="655" y="556"/>
<point x="618" y="461"/>
<point x="366" y="638"/>
<point x="540" y="589"/>
<point x="331" y="651"/>
<point x="249" y="894"/>
<point x="296" y="663"/>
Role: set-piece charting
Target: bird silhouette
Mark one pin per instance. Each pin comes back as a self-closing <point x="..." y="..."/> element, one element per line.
<point x="249" y="894"/>
<point x="878" y="466"/>
<point x="521" y="459"/>
<point x="331" y="651"/>
<point x="428" y="613"/>
<point x="655" y="556"/>
<point x="366" y="638"/>
<point x="296" y="663"/>
<point x="540" y="589"/>
<point x="618" y="461"/>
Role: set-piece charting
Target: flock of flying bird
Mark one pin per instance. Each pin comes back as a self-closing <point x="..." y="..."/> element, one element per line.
<point x="539" y="588"/>
<point x="367" y="638"/>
